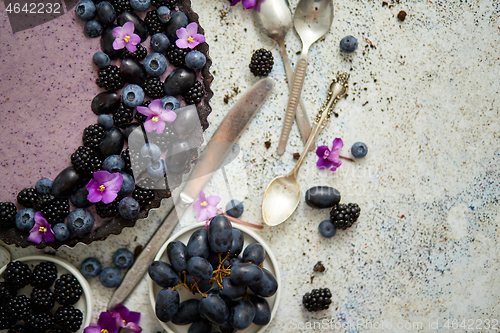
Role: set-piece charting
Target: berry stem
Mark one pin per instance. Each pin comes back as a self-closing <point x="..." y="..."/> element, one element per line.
<point x="248" y="224"/>
<point x="347" y="158"/>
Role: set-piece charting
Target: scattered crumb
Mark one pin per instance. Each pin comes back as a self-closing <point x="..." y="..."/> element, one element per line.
<point x="235" y="92"/>
<point x="370" y="43"/>
<point x="384" y="3"/>
<point x="402" y="216"/>
<point x="296" y="156"/>
<point x="319" y="267"/>
<point x="267" y="144"/>
<point x="312" y="278"/>
<point x="137" y="251"/>
<point x="298" y="52"/>
<point x="402" y="15"/>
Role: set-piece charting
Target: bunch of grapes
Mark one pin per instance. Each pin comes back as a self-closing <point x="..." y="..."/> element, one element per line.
<point x="232" y="287"/>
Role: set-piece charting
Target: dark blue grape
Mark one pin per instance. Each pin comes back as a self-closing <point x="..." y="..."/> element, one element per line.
<point x="214" y="309"/>
<point x="230" y="290"/>
<point x="188" y="312"/>
<point x="213" y="259"/>
<point x="254" y="253"/>
<point x="200" y="326"/>
<point x="177" y="256"/>
<point x="220" y="234"/>
<point x="167" y="304"/>
<point x="267" y="286"/>
<point x="234" y="261"/>
<point x="241" y="314"/>
<point x="197" y="245"/>
<point x="227" y="328"/>
<point x="237" y="244"/>
<point x="245" y="274"/>
<point x="262" y="310"/>
<point x="202" y="285"/>
<point x="163" y="274"/>
<point x="200" y="268"/>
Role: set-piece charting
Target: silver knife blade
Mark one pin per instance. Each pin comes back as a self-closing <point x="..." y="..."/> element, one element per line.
<point x="228" y="132"/>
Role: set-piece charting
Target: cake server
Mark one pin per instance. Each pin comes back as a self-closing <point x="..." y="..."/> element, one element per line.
<point x="226" y="135"/>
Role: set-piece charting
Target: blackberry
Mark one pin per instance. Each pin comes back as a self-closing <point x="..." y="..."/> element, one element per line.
<point x="343" y="216"/>
<point x="42" y="299"/>
<point x="6" y="320"/>
<point x="121" y="6"/>
<point x="17" y="329"/>
<point x="40" y="322"/>
<point x="67" y="290"/>
<point x="110" y="78"/>
<point x="6" y="293"/>
<point x="139" y="163"/>
<point x="153" y="87"/>
<point x="107" y="210"/>
<point x="85" y="161"/>
<point x="55" y="330"/>
<point x="19" y="307"/>
<point x="139" y="116"/>
<point x="123" y="116"/>
<point x="54" y="211"/>
<point x="194" y="94"/>
<point x="69" y="318"/>
<point x="27" y="197"/>
<point x="169" y="3"/>
<point x="143" y="196"/>
<point x="93" y="135"/>
<point x="44" y="274"/>
<point x="7" y="213"/>
<point x="126" y="157"/>
<point x="17" y="274"/>
<point x="262" y="62"/>
<point x="140" y="53"/>
<point x="165" y="139"/>
<point x="153" y="23"/>
<point x="176" y="56"/>
<point x="317" y="299"/>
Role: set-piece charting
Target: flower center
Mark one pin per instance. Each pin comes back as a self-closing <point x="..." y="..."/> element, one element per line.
<point x="326" y="154"/>
<point x="102" y="188"/>
<point x="104" y="330"/>
<point x="42" y="229"/>
<point x="204" y="204"/>
<point x="190" y="39"/>
<point x="155" y="119"/>
<point x="126" y="38"/>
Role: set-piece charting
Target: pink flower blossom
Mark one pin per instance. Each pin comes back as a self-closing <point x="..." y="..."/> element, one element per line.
<point x="41" y="229"/>
<point x="189" y="36"/>
<point x="206" y="207"/>
<point x="248" y="3"/>
<point x="330" y="158"/>
<point x="157" y="116"/>
<point x="125" y="37"/>
<point x="104" y="186"/>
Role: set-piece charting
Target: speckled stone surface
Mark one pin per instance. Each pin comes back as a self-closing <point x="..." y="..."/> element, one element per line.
<point x="424" y="98"/>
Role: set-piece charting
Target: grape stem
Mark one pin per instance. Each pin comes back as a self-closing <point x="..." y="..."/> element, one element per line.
<point x="235" y="220"/>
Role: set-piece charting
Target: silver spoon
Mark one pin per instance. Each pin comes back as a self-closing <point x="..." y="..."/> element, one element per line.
<point x="282" y="195"/>
<point x="312" y="19"/>
<point x="275" y="19"/>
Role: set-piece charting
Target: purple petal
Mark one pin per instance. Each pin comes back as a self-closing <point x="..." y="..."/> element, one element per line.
<point x="128" y="28"/>
<point x="323" y="164"/>
<point x="150" y="125"/>
<point x="120" y="310"/>
<point x="103" y="176"/>
<point x="337" y="144"/>
<point x="168" y="116"/>
<point x="160" y="126"/>
<point x="320" y="151"/>
<point x="234" y="2"/>
<point x="130" y="47"/>
<point x="156" y="107"/>
<point x="134" y="39"/>
<point x="248" y="3"/>
<point x="40" y="220"/>
<point x="213" y="200"/>
<point x="202" y="196"/>
<point x="118" y="32"/>
<point x="133" y="327"/>
<point x="118" y="44"/>
<point x="199" y="38"/>
<point x="92" y="329"/>
<point x="193" y="44"/>
<point x="197" y="206"/>
<point x="115" y="183"/>
<point x="145" y="111"/>
<point x="192" y="29"/>
<point x="182" y="33"/>
<point x="211" y="211"/>
<point x="94" y="195"/>
<point x="48" y="236"/>
<point x="335" y="166"/>
<point x="35" y="235"/>
<point x="182" y="43"/>
<point x="134" y="317"/>
<point x="106" y="321"/>
<point x="202" y="214"/>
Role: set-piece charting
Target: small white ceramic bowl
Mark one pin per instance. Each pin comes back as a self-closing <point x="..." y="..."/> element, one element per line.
<point x="63" y="267"/>
<point x="270" y="264"/>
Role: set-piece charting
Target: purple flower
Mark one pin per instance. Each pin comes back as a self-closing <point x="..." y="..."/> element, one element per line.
<point x="206" y="207"/>
<point x="189" y="36"/>
<point x="248" y="3"/>
<point x="105" y="186"/>
<point x="105" y="324"/>
<point x="40" y="230"/>
<point x="157" y="116"/>
<point x="126" y="318"/>
<point x="330" y="158"/>
<point x="125" y="37"/>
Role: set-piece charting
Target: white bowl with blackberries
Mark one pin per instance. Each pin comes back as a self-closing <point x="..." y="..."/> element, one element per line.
<point x="221" y="278"/>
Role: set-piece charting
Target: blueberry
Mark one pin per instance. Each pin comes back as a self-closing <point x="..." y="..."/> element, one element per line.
<point x="105" y="120"/>
<point x="79" y="198"/>
<point x="151" y="151"/>
<point x="128" y="208"/>
<point x="44" y="186"/>
<point x="155" y="64"/>
<point x="123" y="258"/>
<point x="110" y="277"/>
<point x="327" y="229"/>
<point x="160" y="43"/>
<point x="80" y="221"/>
<point x="140" y="5"/>
<point x="61" y="232"/>
<point x="25" y="219"/>
<point x="106" y="13"/>
<point x="348" y="44"/>
<point x="113" y="163"/>
<point x="92" y="29"/>
<point x="85" y="10"/>
<point x="234" y="208"/>
<point x="170" y="103"/>
<point x="157" y="169"/>
<point x="359" y="150"/>
<point x="163" y="14"/>
<point x="132" y="95"/>
<point x="195" y="60"/>
<point x="101" y="59"/>
<point x="91" y="267"/>
<point x="127" y="184"/>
